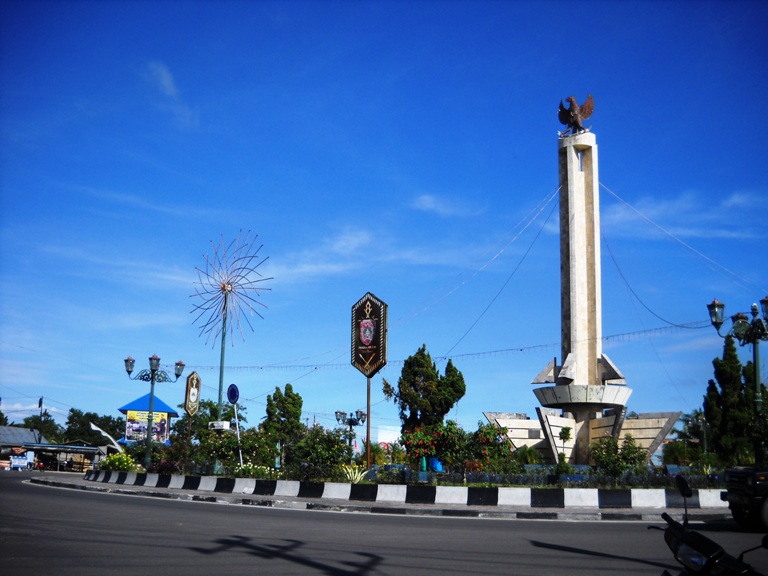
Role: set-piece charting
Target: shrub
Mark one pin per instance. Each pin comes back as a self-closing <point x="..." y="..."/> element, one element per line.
<point x="248" y="470"/>
<point x="354" y="474"/>
<point x="614" y="459"/>
<point x="319" y="455"/>
<point x="121" y="461"/>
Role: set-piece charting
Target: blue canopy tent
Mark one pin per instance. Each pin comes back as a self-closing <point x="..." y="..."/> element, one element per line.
<point x="142" y="405"/>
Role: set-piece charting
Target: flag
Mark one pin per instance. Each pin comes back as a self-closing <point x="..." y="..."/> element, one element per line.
<point x="97" y="429"/>
<point x="40" y="403"/>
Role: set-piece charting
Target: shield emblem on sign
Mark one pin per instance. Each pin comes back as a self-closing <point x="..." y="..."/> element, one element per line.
<point x="367" y="331"/>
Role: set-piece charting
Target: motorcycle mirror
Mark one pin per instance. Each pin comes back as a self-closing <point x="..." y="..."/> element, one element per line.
<point x="683" y="487"/>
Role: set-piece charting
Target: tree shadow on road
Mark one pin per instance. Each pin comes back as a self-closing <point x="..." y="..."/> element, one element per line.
<point x="289" y="551"/>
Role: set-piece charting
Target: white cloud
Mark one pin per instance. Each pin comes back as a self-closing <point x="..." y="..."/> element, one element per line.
<point x="443" y="206"/>
<point x="350" y="241"/>
<point x="162" y="78"/>
<point x="140" y="203"/>
<point x="739" y="200"/>
<point x="683" y="216"/>
<point x="87" y="260"/>
<point x="337" y="255"/>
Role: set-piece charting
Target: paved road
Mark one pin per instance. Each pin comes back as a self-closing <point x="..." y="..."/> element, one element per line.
<point x="46" y="530"/>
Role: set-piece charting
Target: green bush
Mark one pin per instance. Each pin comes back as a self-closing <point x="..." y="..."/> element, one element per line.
<point x="615" y="459"/>
<point x="318" y="455"/>
<point x="353" y="474"/>
<point x="248" y="470"/>
<point x="121" y="462"/>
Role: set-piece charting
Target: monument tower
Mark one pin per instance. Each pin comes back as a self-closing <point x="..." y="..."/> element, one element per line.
<point x="586" y="385"/>
<point x="586" y="392"/>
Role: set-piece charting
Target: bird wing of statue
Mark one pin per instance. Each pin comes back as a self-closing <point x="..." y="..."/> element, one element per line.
<point x="564" y="114"/>
<point x="586" y="109"/>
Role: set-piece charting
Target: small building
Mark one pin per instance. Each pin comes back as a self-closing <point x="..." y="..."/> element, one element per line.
<point x="137" y="416"/>
<point x="22" y="443"/>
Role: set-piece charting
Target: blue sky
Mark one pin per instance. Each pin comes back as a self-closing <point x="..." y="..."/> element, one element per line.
<point x="408" y="149"/>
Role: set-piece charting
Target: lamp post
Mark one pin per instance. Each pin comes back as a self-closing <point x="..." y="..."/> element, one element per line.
<point x="746" y="332"/>
<point x="356" y="419"/>
<point x="154" y="374"/>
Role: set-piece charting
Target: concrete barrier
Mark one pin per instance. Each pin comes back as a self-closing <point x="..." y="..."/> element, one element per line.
<point x="558" y="498"/>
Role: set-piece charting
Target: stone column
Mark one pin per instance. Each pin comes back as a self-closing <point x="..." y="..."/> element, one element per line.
<point x="580" y="296"/>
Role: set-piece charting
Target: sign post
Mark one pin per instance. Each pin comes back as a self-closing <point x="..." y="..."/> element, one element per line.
<point x="233" y="395"/>
<point x="369" y="346"/>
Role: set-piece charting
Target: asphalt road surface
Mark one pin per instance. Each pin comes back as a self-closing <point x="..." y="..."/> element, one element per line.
<point x="56" y="531"/>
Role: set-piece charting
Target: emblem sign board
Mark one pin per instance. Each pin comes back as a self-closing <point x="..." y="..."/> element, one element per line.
<point x="192" y="398"/>
<point x="369" y="335"/>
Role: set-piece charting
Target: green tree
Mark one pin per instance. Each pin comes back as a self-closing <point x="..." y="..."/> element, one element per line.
<point x="78" y="427"/>
<point x="562" y="464"/>
<point x="194" y="447"/>
<point x="3" y="419"/>
<point x="255" y="446"/>
<point x="46" y="425"/>
<point x="677" y="452"/>
<point x="423" y="395"/>
<point x="453" y="446"/>
<point x="690" y="441"/>
<point x="259" y="448"/>
<point x="729" y="409"/>
<point x="394" y="453"/>
<point x="614" y="458"/>
<point x="378" y="454"/>
<point x="318" y="455"/>
<point x="491" y="447"/>
<point x="195" y="427"/>
<point x="527" y="455"/>
<point x="283" y="421"/>
<point x="446" y="442"/>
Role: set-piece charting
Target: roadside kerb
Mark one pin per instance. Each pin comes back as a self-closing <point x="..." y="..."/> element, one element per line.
<point x="538" y="498"/>
<point x="453" y="501"/>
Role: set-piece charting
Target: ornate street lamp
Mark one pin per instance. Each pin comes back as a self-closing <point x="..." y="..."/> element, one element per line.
<point x="357" y="419"/>
<point x="154" y="374"/>
<point x="746" y="332"/>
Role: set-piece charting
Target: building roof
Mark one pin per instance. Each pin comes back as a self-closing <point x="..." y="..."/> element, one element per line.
<point x="142" y="405"/>
<point x="16" y="436"/>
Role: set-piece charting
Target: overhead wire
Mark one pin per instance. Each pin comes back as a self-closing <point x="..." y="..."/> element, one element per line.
<point x="632" y="291"/>
<point x="524" y="222"/>
<point x="512" y="274"/>
<point x="715" y="266"/>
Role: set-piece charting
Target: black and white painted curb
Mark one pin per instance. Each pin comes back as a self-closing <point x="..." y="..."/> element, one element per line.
<point x="455" y="496"/>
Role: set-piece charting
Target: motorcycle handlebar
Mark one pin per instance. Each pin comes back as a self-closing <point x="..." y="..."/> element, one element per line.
<point x="668" y="519"/>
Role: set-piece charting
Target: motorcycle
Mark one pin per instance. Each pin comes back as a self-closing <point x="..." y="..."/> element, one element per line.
<point x="697" y="553"/>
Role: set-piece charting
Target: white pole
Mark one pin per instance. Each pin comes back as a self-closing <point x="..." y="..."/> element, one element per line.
<point x="237" y="427"/>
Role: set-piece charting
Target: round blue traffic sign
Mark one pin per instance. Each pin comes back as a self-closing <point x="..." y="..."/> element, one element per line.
<point x="233" y="394"/>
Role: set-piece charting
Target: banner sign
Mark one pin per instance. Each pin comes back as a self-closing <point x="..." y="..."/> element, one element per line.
<point x="369" y="335"/>
<point x="192" y="398"/>
<point x="136" y="426"/>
